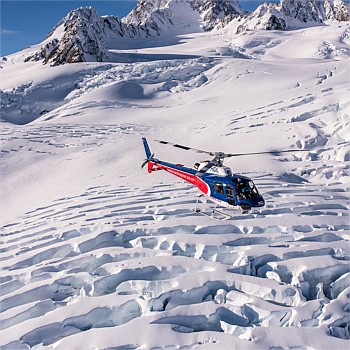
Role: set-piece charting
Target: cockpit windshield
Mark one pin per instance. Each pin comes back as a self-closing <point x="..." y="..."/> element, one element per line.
<point x="246" y="190"/>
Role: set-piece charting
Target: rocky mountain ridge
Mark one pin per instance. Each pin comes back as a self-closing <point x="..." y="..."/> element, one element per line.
<point x="157" y="13"/>
<point x="83" y="35"/>
<point x="290" y="14"/>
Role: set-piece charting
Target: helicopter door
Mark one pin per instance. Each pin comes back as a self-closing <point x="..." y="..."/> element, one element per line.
<point x="230" y="195"/>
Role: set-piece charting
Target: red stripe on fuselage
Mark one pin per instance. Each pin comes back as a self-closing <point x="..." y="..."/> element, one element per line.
<point x="192" y="179"/>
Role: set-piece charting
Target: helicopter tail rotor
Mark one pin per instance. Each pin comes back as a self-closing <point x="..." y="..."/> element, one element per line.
<point x="147" y="160"/>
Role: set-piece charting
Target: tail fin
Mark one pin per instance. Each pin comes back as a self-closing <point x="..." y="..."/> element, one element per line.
<point x="147" y="150"/>
<point x="149" y="155"/>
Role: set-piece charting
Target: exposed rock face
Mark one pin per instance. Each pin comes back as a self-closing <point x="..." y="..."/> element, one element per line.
<point x="304" y="11"/>
<point x="275" y="23"/>
<point x="216" y="13"/>
<point x="81" y="37"/>
<point x="337" y="10"/>
<point x="150" y="14"/>
<point x="76" y="38"/>
<point x="295" y="13"/>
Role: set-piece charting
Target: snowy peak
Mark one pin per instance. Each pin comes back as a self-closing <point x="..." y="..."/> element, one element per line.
<point x="294" y="14"/>
<point x="216" y="13"/>
<point x="314" y="10"/>
<point x="150" y="14"/>
<point x="85" y="36"/>
<point x="337" y="10"/>
<point x="82" y="35"/>
<point x="76" y="38"/>
<point x="157" y="14"/>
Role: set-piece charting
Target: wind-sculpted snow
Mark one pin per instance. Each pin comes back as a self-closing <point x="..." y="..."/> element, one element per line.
<point x="155" y="276"/>
<point x="125" y="83"/>
<point x="329" y="50"/>
<point x="114" y="256"/>
<point x="98" y="254"/>
<point x="174" y="75"/>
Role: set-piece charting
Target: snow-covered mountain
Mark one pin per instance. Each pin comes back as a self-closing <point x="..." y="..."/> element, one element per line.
<point x="85" y="36"/>
<point x="160" y="13"/>
<point x="295" y="14"/>
<point x="81" y="36"/>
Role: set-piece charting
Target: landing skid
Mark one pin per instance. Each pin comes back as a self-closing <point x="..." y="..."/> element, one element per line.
<point x="215" y="213"/>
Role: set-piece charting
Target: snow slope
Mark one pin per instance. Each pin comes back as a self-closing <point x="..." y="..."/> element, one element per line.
<point x="97" y="254"/>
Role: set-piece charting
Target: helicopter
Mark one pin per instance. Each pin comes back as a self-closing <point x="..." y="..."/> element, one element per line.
<point x="216" y="181"/>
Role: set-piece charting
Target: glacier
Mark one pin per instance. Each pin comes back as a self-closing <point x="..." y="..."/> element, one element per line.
<point x="97" y="254"/>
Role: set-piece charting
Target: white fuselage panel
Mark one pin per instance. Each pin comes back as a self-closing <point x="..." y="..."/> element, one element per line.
<point x="220" y="171"/>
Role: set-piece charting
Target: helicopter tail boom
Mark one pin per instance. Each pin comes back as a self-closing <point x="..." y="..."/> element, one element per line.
<point x="153" y="166"/>
<point x="179" y="170"/>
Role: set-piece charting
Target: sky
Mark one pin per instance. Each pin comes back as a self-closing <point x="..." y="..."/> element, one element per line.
<point x="27" y="22"/>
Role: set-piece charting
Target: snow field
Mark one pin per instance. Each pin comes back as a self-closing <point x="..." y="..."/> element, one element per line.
<point x="147" y="251"/>
<point x="95" y="253"/>
<point x="67" y="264"/>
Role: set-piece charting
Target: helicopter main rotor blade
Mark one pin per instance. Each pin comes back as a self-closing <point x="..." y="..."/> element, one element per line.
<point x="266" y="152"/>
<point x="185" y="147"/>
<point x="228" y="155"/>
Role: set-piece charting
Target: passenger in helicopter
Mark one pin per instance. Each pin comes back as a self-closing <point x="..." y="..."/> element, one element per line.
<point x="240" y="190"/>
<point x="246" y="190"/>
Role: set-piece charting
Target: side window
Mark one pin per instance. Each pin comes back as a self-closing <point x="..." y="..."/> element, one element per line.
<point x="239" y="190"/>
<point x="219" y="188"/>
<point x="229" y="192"/>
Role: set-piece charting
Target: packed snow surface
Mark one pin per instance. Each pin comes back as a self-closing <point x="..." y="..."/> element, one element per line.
<point x="98" y="254"/>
